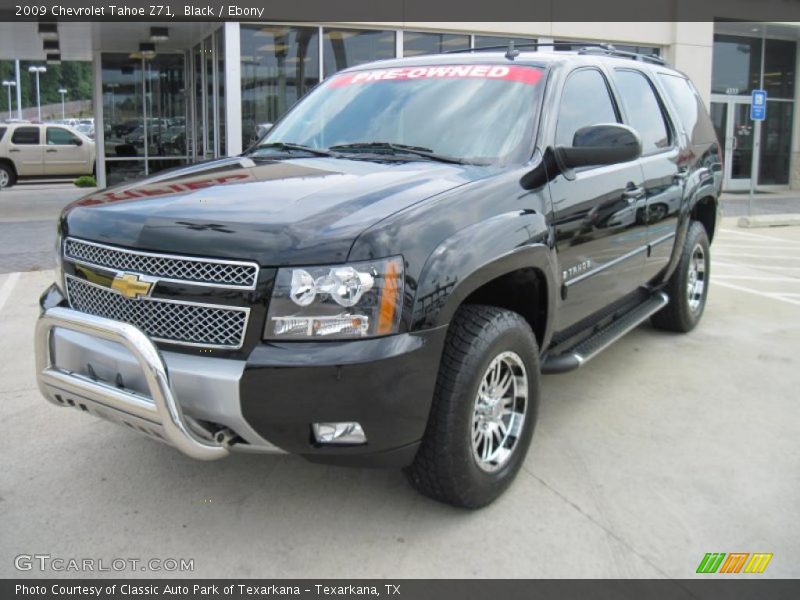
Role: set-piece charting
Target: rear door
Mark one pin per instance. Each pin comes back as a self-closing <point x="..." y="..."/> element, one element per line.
<point x="65" y="153"/>
<point x="26" y="151"/>
<point x="663" y="177"/>
<point x="600" y="236"/>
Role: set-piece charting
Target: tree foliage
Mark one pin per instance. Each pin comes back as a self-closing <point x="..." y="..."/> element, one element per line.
<point x="75" y="76"/>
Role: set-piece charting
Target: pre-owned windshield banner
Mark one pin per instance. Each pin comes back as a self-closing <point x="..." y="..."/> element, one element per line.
<point x="527" y="75"/>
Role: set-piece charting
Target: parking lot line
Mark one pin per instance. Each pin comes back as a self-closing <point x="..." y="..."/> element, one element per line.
<point x="758" y="278"/>
<point x="760" y="236"/>
<point x="771" y="295"/>
<point x="7" y="288"/>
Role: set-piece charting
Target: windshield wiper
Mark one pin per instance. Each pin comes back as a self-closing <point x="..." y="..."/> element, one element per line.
<point x="292" y="148"/>
<point x="397" y="149"/>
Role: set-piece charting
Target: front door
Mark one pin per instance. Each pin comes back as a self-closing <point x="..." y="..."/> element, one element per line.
<point x="600" y="235"/>
<point x="65" y="153"/>
<point x="731" y="117"/>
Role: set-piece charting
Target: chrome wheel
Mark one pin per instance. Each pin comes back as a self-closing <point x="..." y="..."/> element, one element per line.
<point x="696" y="280"/>
<point x="4" y="178"/>
<point x="499" y="411"/>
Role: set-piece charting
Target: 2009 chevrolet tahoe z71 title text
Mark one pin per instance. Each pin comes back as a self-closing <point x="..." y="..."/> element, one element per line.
<point x="382" y="278"/>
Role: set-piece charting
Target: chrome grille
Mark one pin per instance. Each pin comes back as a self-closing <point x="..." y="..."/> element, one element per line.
<point x="216" y="272"/>
<point x="169" y="321"/>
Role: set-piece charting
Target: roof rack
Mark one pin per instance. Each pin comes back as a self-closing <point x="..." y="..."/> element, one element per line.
<point x="512" y="50"/>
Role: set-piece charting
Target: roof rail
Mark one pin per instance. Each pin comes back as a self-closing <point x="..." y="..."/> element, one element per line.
<point x="584" y="48"/>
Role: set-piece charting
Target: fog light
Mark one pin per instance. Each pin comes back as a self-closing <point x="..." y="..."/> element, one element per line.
<point x="339" y="433"/>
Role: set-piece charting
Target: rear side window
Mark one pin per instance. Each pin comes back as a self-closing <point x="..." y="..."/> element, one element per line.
<point x="689" y="107"/>
<point x="56" y="136"/>
<point x="585" y="101"/>
<point x="2" y="133"/>
<point x="25" y="136"/>
<point x="643" y="110"/>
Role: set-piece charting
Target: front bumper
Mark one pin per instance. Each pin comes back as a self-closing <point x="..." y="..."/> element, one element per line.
<point x="207" y="406"/>
<point x="157" y="414"/>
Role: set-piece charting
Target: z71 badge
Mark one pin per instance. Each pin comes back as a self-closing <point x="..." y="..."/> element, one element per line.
<point x="578" y="269"/>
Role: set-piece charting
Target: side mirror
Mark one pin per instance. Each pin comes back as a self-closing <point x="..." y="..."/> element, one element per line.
<point x="605" y="144"/>
<point x="77" y="141"/>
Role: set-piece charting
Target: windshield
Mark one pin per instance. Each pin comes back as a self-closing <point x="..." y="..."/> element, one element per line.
<point x="473" y="113"/>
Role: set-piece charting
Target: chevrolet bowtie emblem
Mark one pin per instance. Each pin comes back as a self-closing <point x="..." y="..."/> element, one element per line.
<point x="130" y="286"/>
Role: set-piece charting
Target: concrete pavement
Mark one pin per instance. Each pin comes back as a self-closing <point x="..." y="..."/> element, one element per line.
<point x="663" y="448"/>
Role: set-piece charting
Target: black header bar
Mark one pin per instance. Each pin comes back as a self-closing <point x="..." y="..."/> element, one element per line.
<point x="400" y="10"/>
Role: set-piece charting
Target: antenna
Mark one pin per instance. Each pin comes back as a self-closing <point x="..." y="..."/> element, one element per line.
<point x="512" y="52"/>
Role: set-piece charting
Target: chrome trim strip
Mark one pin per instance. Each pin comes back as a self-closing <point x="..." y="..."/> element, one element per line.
<point x="221" y="261"/>
<point x="244" y="309"/>
<point x="607" y="265"/>
<point x="662" y="239"/>
<point x="165" y="411"/>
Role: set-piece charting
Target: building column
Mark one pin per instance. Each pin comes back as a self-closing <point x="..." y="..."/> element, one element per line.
<point x="233" y="88"/>
<point x="691" y="52"/>
<point x="99" y="124"/>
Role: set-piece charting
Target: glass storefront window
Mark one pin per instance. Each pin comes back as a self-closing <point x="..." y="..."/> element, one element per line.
<point x="482" y="41"/>
<point x="221" y="92"/>
<point x="120" y="171"/>
<point x="416" y="43"/>
<point x="123" y="113"/>
<point x="776" y="144"/>
<point x="344" y="48"/>
<point x="279" y="65"/>
<point x="736" y="65"/>
<point x="166" y="106"/>
<point x="779" y="68"/>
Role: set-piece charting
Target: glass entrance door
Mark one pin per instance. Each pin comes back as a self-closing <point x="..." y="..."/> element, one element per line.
<point x="731" y="117"/>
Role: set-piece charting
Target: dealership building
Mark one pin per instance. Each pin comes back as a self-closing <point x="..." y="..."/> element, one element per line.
<point x="167" y="94"/>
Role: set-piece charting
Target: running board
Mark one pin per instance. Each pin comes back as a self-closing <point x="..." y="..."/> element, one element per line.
<point x="587" y="349"/>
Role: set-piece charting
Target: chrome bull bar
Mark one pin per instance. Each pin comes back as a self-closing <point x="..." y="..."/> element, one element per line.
<point x="160" y="411"/>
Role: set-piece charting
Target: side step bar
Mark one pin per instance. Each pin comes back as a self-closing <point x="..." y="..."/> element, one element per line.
<point x="587" y="349"/>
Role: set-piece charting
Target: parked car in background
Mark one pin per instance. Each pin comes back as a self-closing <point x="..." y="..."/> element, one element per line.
<point x="34" y="150"/>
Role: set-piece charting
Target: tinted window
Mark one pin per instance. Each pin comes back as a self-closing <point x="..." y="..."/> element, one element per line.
<point x="736" y="64"/>
<point x="25" y="135"/>
<point x="344" y="48"/>
<point x="2" y="133"/>
<point x="689" y="107"/>
<point x="482" y="41"/>
<point x="416" y="43"/>
<point x="779" y="68"/>
<point x="60" y="137"/>
<point x="585" y="101"/>
<point x="643" y="110"/>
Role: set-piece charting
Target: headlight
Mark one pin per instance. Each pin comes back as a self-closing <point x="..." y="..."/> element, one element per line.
<point x="334" y="302"/>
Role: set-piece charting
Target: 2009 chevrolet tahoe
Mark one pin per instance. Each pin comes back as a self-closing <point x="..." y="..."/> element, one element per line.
<point x="383" y="278"/>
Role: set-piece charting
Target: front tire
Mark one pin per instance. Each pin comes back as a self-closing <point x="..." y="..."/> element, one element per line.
<point x="484" y="409"/>
<point x="688" y="286"/>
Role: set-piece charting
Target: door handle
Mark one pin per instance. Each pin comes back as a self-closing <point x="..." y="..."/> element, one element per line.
<point x="49" y="150"/>
<point x="13" y="150"/>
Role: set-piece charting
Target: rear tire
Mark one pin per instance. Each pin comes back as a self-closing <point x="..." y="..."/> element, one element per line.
<point x="688" y="286"/>
<point x="7" y="176"/>
<point x="484" y="409"/>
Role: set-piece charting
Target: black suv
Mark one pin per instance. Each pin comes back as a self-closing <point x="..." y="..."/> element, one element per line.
<point x="382" y="278"/>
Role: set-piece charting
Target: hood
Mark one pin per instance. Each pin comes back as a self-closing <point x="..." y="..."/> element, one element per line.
<point x="277" y="212"/>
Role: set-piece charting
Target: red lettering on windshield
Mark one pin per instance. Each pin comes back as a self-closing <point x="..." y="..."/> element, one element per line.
<point x="527" y="75"/>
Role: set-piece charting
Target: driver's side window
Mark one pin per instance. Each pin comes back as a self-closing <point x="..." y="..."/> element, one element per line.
<point x="585" y="101"/>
